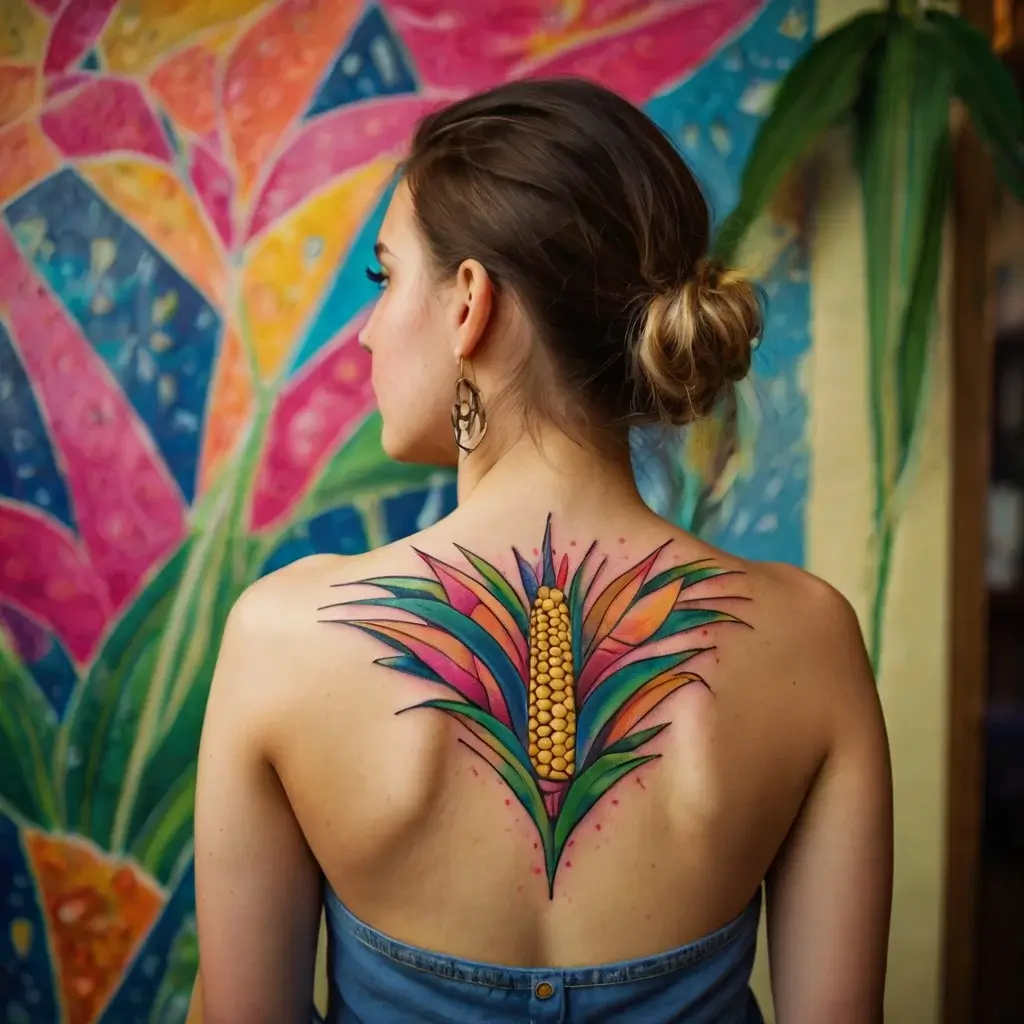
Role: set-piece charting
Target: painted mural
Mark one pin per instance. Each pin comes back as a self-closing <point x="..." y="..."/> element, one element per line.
<point x="189" y="192"/>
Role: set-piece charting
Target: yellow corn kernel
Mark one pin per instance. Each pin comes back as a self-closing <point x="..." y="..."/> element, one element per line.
<point x="552" y="704"/>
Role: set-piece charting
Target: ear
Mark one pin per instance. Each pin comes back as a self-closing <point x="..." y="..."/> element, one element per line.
<point x="474" y="302"/>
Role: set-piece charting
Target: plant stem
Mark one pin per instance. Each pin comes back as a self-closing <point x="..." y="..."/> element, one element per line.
<point x="880" y="591"/>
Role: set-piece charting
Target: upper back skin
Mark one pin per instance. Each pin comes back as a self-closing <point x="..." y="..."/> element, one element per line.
<point x="403" y="806"/>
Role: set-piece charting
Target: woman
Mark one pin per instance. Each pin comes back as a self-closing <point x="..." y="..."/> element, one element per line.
<point x="537" y="760"/>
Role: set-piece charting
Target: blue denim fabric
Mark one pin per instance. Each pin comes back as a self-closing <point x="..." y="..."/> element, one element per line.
<point x="376" y="980"/>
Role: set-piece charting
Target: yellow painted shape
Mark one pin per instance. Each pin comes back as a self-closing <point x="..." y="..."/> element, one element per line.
<point x="230" y="405"/>
<point x="26" y="156"/>
<point x="17" y="92"/>
<point x="23" y="33"/>
<point x="289" y="267"/>
<point x="140" y="33"/>
<point x="21" y="937"/>
<point x="153" y="200"/>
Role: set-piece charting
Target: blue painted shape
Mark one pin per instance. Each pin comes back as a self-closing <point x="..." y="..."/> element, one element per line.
<point x="713" y="117"/>
<point x="407" y="513"/>
<point x="90" y="62"/>
<point x="26" y="984"/>
<point x="28" y="466"/>
<point x="350" y="292"/>
<point x="373" y="63"/>
<point x="149" y="324"/>
<point x="134" y="1000"/>
<point x="338" y="532"/>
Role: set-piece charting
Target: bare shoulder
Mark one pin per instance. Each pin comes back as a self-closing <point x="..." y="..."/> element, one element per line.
<point x="805" y="633"/>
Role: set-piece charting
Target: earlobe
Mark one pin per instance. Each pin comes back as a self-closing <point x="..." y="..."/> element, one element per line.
<point x="475" y="299"/>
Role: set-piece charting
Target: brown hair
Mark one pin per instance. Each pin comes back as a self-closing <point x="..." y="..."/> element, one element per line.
<point x="575" y="202"/>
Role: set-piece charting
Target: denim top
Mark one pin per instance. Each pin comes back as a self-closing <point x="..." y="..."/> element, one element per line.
<point x="377" y="980"/>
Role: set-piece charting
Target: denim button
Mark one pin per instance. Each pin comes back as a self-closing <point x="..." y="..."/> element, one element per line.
<point x="544" y="990"/>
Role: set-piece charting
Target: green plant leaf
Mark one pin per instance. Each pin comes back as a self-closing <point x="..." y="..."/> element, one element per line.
<point x="103" y="711"/>
<point x="634" y="740"/>
<point x="588" y="787"/>
<point x="577" y="600"/>
<point x="822" y="88"/>
<point x="28" y="731"/>
<point x="987" y="89"/>
<point x="903" y="157"/>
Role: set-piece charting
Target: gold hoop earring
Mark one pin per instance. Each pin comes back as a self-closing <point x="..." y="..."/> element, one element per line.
<point x="469" y="420"/>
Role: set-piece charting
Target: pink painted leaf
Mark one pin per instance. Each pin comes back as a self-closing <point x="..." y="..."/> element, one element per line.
<point x="77" y="27"/>
<point x="634" y="47"/>
<point x="102" y="117"/>
<point x="214" y="187"/>
<point x="129" y="511"/>
<point x="333" y="144"/>
<point x="45" y="573"/>
<point x="315" y="414"/>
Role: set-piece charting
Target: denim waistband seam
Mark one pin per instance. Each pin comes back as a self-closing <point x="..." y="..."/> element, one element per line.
<point x="496" y="976"/>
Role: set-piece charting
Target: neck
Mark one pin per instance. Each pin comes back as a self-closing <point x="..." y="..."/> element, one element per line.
<point x="547" y="469"/>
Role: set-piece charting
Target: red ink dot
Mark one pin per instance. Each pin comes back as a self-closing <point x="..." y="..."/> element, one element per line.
<point x="703" y="632"/>
<point x="568" y="863"/>
<point x="598" y="827"/>
<point x="538" y="871"/>
<point x="535" y="845"/>
<point x="572" y="843"/>
<point x="508" y="803"/>
<point x="536" y="552"/>
<point x="615" y="802"/>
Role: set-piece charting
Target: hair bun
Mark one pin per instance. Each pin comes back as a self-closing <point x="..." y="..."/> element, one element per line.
<point x="695" y="342"/>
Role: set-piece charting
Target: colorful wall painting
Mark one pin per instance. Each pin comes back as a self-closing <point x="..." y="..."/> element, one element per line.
<point x="188" y="196"/>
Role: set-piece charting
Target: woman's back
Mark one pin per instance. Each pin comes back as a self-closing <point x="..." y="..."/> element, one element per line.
<point x="551" y="731"/>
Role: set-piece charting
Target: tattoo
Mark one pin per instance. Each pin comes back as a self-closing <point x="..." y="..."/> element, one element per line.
<point x="553" y="676"/>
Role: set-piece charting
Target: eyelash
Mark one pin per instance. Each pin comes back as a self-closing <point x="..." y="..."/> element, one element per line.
<point x="377" y="277"/>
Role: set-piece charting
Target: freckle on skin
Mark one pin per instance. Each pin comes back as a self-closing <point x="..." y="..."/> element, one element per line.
<point x="622" y="540"/>
<point x="572" y="543"/>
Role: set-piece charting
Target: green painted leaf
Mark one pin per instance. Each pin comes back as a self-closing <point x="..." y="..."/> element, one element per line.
<point x="635" y="740"/>
<point x="514" y="763"/>
<point x="172" y="998"/>
<point x="158" y="841"/>
<point x="361" y="467"/>
<point x="588" y="788"/>
<point x="987" y="89"/>
<point x="605" y="699"/>
<point x="681" y="620"/>
<point x="28" y="731"/>
<point x="410" y="665"/>
<point x="500" y="587"/>
<point x="477" y="639"/>
<point x="691" y="573"/>
<point x="577" y="598"/>
<point x="173" y="746"/>
<point x="822" y="88"/>
<point x="408" y="586"/>
<point x="104" y="708"/>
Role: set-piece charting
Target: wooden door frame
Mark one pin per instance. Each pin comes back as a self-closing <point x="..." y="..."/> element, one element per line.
<point x="972" y="357"/>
